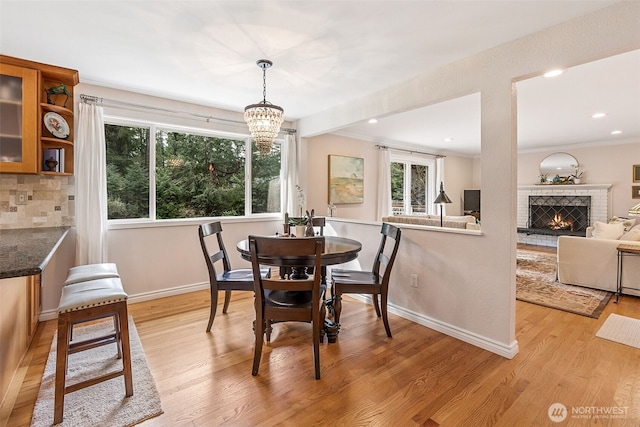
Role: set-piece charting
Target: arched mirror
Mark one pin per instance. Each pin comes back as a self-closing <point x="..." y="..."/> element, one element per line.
<point x="558" y="164"/>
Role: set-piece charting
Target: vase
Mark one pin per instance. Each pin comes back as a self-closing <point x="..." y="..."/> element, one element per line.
<point x="300" y="230"/>
<point x="576" y="180"/>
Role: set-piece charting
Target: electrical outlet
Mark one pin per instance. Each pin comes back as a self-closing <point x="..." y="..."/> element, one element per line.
<point x="21" y="197"/>
<point x="414" y="280"/>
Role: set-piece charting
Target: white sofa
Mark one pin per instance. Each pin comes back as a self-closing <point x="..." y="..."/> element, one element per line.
<point x="593" y="262"/>
<point x="467" y="222"/>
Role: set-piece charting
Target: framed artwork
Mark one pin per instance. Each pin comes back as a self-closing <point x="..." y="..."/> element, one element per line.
<point x="346" y="179"/>
<point x="636" y="173"/>
<point x="635" y="191"/>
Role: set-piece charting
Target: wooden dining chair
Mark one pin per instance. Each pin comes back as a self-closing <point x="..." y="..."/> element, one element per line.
<point x="283" y="300"/>
<point x="229" y="279"/>
<point x="374" y="282"/>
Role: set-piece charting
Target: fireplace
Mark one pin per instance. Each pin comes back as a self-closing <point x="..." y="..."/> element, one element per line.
<point x="555" y="215"/>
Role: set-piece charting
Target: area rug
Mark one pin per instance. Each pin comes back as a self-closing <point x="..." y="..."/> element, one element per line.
<point x="103" y="404"/>
<point x="536" y="283"/>
<point x="621" y="329"/>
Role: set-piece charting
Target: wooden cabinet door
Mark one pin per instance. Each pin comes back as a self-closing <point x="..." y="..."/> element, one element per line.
<point x="19" y="123"/>
<point x="35" y="304"/>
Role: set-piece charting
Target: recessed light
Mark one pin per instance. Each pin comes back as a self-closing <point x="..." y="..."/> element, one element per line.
<point x="616" y="132"/>
<point x="448" y="139"/>
<point x="372" y="121"/>
<point x="553" y="73"/>
<point x="598" y="115"/>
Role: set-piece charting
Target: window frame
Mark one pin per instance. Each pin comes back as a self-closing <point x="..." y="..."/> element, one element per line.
<point x="154" y="127"/>
<point x="409" y="160"/>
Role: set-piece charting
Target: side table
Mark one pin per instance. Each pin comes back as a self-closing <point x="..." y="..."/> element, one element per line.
<point x="625" y="250"/>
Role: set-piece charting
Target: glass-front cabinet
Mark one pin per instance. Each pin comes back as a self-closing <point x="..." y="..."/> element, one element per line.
<point x="36" y="117"/>
<point x="19" y="102"/>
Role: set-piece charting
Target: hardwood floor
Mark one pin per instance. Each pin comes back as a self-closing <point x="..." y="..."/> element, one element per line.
<point x="417" y="378"/>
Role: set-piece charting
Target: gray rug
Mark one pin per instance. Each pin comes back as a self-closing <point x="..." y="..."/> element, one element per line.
<point x="103" y="404"/>
<point x="621" y="329"/>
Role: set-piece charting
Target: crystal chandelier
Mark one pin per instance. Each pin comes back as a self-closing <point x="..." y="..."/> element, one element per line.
<point x="264" y="119"/>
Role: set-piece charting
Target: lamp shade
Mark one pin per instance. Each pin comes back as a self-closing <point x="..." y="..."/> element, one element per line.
<point x="442" y="197"/>
<point x="264" y="121"/>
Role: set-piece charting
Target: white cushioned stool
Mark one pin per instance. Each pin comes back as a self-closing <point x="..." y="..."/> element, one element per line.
<point x="83" y="273"/>
<point x="83" y="302"/>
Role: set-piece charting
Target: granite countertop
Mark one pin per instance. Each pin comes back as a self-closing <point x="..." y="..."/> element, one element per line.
<point x="26" y="251"/>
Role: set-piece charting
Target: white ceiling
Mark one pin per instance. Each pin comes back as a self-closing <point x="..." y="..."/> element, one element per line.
<point x="326" y="53"/>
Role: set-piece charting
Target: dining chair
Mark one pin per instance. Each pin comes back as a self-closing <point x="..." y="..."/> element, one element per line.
<point x="374" y="282"/>
<point x="229" y="279"/>
<point x="283" y="300"/>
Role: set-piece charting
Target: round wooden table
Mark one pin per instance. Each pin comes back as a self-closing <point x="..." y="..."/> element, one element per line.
<point x="337" y="250"/>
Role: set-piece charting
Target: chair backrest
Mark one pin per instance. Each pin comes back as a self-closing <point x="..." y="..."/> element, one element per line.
<point x="319" y="221"/>
<point x="383" y="261"/>
<point x="211" y="257"/>
<point x="262" y="247"/>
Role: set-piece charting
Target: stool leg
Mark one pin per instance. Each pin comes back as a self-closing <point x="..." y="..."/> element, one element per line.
<point x="126" y="348"/>
<point x="61" y="366"/>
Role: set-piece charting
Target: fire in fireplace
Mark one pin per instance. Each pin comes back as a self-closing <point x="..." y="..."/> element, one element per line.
<point x="559" y="214"/>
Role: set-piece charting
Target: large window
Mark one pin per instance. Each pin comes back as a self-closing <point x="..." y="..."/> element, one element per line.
<point x="193" y="174"/>
<point x="412" y="185"/>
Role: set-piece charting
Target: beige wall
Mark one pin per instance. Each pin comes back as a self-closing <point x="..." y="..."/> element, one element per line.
<point x="604" y="164"/>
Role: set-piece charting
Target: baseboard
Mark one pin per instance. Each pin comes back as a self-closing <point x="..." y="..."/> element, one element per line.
<point x="508" y="351"/>
<point x="145" y="296"/>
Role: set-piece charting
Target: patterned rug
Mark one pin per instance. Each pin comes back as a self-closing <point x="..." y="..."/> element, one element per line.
<point x="103" y="404"/>
<point x="536" y="283"/>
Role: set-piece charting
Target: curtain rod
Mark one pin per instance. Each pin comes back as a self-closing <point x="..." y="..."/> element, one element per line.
<point x="115" y="103"/>
<point x="384" y="147"/>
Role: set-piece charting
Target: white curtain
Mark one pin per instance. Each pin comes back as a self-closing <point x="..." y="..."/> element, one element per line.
<point x="91" y="186"/>
<point x="439" y="179"/>
<point x="290" y="170"/>
<point x="384" y="207"/>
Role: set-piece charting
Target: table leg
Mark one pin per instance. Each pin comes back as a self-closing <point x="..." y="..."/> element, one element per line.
<point x="619" y="277"/>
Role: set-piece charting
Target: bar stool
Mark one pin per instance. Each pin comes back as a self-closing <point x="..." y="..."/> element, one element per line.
<point x="83" y="273"/>
<point x="86" y="272"/>
<point x="83" y="302"/>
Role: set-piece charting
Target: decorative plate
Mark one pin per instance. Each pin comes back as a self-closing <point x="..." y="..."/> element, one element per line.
<point x="57" y="125"/>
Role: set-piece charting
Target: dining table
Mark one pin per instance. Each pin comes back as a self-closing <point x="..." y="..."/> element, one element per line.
<point x="337" y="250"/>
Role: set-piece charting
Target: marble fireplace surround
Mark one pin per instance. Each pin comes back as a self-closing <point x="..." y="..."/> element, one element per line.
<point x="600" y="206"/>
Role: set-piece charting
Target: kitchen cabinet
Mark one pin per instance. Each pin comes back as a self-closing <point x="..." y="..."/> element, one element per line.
<point x="37" y="125"/>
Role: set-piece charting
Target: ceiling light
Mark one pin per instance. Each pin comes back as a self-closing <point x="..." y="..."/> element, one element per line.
<point x="448" y="139"/>
<point x="264" y="119"/>
<point x="616" y="132"/>
<point x="553" y="73"/>
<point x="598" y="115"/>
<point x="373" y="121"/>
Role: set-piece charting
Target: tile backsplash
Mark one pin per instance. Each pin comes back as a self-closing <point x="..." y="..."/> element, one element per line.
<point x="28" y="201"/>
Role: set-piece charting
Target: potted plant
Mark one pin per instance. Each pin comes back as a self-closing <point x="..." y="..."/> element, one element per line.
<point x="576" y="175"/>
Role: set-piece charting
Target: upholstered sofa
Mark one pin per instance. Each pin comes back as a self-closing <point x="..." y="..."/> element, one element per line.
<point x="467" y="222"/>
<point x="592" y="261"/>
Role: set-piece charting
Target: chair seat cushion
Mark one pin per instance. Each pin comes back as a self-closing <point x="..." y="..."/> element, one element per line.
<point x="92" y="293"/>
<point x="83" y="273"/>
<point x="241" y="274"/>
<point x="354" y="276"/>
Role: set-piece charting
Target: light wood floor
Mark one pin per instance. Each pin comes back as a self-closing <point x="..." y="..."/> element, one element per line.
<point x="417" y="378"/>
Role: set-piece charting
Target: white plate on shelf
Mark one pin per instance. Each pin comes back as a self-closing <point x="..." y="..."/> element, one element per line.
<point x="57" y="125"/>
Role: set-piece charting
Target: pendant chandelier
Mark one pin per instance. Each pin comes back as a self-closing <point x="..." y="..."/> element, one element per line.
<point x="264" y="119"/>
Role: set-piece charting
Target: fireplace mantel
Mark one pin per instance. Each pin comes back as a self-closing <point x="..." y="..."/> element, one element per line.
<point x="562" y="187"/>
